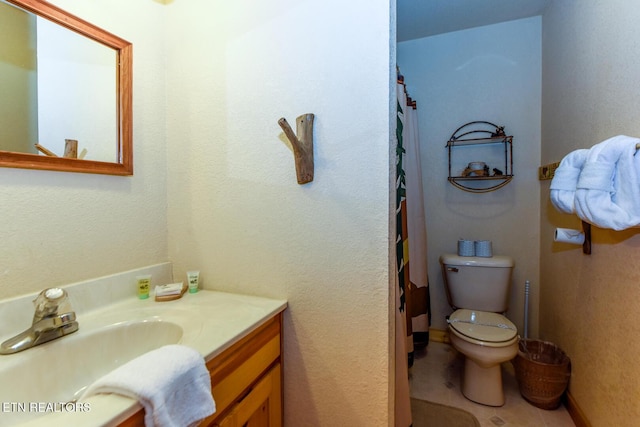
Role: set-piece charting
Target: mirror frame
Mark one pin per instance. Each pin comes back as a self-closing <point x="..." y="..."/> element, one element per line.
<point x="124" y="56"/>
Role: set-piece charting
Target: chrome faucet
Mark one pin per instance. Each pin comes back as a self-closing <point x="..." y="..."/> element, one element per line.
<point x="52" y="319"/>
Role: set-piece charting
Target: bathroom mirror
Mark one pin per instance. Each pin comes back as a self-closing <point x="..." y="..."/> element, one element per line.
<point x="65" y="92"/>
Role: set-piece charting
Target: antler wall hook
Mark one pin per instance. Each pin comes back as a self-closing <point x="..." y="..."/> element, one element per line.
<point x="302" y="145"/>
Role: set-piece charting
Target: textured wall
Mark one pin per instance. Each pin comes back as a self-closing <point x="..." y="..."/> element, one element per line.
<point x="590" y="304"/>
<point x="236" y="211"/>
<point x="58" y="228"/>
<point x="488" y="73"/>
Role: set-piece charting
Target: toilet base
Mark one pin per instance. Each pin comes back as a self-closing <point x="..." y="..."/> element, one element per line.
<point x="482" y="385"/>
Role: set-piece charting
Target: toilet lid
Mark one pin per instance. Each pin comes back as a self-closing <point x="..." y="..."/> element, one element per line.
<point x="482" y="325"/>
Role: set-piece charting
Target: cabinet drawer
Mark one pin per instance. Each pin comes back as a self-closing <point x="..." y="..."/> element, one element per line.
<point x="260" y="406"/>
<point x="237" y="369"/>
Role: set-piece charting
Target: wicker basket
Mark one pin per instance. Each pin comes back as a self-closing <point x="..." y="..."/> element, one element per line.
<point x="543" y="371"/>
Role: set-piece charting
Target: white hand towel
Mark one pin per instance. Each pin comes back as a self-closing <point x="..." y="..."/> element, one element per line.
<point x="172" y="384"/>
<point x="565" y="180"/>
<point x="608" y="189"/>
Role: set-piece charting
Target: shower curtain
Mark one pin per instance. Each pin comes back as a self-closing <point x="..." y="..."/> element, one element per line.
<point x="413" y="316"/>
<point x="413" y="231"/>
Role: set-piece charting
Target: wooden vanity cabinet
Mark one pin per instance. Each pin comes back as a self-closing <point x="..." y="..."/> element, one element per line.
<point x="260" y="407"/>
<point x="246" y="382"/>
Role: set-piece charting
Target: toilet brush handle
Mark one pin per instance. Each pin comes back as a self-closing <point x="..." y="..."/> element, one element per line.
<point x="527" y="286"/>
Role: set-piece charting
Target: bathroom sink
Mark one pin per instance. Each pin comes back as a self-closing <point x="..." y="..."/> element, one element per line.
<point x="38" y="386"/>
<point x="59" y="371"/>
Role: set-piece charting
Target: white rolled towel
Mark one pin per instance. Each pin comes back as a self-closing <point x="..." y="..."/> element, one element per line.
<point x="608" y="189"/>
<point x="172" y="383"/>
<point x="565" y="180"/>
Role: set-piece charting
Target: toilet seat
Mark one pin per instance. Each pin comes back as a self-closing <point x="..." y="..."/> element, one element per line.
<point x="483" y="328"/>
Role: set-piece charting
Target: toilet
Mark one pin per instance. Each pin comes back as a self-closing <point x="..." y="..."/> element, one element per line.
<point x="478" y="290"/>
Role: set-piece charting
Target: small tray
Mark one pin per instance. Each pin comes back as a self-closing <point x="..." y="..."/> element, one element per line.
<point x="172" y="297"/>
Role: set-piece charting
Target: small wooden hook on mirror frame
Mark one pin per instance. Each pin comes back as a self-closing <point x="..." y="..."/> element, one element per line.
<point x="302" y="144"/>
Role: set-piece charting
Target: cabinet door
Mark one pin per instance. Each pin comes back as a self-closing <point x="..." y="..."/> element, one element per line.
<point x="228" y="421"/>
<point x="262" y="406"/>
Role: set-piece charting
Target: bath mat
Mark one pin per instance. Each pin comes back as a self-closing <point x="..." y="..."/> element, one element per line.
<point x="429" y="414"/>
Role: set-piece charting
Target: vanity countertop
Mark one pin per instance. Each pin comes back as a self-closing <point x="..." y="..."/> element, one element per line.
<point x="211" y="321"/>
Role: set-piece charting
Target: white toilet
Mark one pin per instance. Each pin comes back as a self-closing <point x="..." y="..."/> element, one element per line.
<point x="478" y="290"/>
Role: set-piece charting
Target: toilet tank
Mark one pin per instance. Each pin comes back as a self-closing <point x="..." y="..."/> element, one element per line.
<point x="477" y="283"/>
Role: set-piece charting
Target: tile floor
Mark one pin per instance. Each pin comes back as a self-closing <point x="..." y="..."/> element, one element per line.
<point x="435" y="376"/>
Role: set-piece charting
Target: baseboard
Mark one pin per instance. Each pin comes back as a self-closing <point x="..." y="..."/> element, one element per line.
<point x="438" y="335"/>
<point x="578" y="417"/>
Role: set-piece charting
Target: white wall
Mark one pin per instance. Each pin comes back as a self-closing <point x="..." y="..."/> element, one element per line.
<point x="490" y="73"/>
<point x="58" y="228"/>
<point x="236" y="211"/>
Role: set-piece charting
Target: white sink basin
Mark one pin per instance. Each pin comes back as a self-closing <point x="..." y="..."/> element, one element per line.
<point x="60" y="370"/>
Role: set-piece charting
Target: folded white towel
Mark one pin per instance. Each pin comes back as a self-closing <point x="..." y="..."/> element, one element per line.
<point x="565" y="180"/>
<point x="170" y="289"/>
<point x="608" y="189"/>
<point x="172" y="384"/>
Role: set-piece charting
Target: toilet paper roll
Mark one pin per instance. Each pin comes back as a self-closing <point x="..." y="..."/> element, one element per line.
<point x="567" y="235"/>
<point x="483" y="248"/>
<point x="466" y="248"/>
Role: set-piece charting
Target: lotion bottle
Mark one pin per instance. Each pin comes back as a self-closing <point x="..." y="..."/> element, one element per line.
<point x="144" y="285"/>
<point x="193" y="278"/>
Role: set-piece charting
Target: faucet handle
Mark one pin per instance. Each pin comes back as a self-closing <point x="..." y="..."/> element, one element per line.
<point x="55" y="322"/>
<point x="49" y="302"/>
<point x="54" y="293"/>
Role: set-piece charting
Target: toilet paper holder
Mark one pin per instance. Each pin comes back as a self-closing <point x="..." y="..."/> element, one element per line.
<point x="576" y="237"/>
<point x="586" y="246"/>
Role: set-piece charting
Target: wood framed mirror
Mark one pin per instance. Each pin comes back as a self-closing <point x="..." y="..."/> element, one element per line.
<point x="97" y="112"/>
